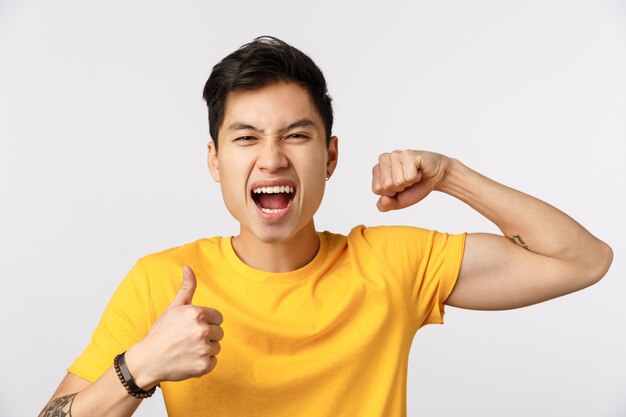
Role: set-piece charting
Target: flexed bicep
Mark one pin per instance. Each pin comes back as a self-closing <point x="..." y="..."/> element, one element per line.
<point x="498" y="274"/>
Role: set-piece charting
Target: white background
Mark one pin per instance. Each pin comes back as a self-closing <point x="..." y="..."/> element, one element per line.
<point x="103" y="147"/>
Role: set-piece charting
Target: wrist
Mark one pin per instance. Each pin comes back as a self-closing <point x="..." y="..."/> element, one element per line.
<point x="139" y="366"/>
<point x="474" y="189"/>
<point x="453" y="175"/>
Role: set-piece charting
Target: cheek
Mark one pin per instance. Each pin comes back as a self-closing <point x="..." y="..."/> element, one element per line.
<point x="311" y="162"/>
<point x="233" y="178"/>
<point x="313" y="178"/>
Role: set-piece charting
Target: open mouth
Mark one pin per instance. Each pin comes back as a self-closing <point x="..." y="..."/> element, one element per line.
<point x="273" y="199"/>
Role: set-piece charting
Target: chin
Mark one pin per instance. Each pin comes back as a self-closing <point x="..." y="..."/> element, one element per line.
<point x="273" y="232"/>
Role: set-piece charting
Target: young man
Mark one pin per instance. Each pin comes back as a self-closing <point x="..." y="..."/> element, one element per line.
<point x="307" y="322"/>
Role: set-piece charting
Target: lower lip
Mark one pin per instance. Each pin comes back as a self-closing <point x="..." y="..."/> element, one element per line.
<point x="273" y="216"/>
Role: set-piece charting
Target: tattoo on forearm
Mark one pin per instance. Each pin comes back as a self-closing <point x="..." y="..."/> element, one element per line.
<point x="59" y="407"/>
<point x="517" y="239"/>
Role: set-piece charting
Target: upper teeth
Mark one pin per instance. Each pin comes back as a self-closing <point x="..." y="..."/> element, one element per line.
<point x="272" y="190"/>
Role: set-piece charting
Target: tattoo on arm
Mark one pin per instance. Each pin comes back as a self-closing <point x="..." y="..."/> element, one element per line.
<point x="59" y="407"/>
<point x="517" y="239"/>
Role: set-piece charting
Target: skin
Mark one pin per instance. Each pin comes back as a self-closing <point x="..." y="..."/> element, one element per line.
<point x="266" y="150"/>
<point x="542" y="254"/>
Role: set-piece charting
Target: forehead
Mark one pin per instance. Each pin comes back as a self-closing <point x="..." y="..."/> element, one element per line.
<point x="270" y="107"/>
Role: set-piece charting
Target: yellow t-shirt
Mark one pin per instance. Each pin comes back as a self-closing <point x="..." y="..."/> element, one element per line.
<point x="329" y="339"/>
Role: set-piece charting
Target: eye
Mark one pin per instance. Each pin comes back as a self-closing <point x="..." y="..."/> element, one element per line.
<point x="245" y="138"/>
<point x="296" y="136"/>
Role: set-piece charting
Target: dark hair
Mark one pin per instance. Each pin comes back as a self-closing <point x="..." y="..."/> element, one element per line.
<point x="264" y="61"/>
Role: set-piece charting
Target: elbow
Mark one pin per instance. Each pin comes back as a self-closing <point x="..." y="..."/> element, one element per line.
<point x="608" y="258"/>
<point x="601" y="262"/>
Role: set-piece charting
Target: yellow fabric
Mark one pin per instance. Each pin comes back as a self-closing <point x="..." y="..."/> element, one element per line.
<point x="329" y="339"/>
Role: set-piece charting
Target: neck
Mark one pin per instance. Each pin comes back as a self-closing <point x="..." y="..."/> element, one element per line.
<point x="283" y="256"/>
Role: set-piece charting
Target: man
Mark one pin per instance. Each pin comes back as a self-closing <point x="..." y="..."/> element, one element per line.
<point x="307" y="322"/>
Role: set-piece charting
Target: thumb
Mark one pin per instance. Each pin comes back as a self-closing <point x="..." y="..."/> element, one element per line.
<point x="187" y="288"/>
<point x="405" y="198"/>
<point x="386" y="203"/>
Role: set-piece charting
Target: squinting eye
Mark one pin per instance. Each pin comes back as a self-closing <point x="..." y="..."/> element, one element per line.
<point x="245" y="138"/>
<point x="296" y="136"/>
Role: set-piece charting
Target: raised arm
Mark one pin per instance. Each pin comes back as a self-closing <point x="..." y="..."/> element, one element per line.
<point x="543" y="254"/>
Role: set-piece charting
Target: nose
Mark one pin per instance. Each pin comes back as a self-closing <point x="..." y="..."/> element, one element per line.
<point x="272" y="158"/>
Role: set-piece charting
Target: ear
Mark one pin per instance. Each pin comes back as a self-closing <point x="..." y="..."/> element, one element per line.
<point x="332" y="153"/>
<point x="214" y="165"/>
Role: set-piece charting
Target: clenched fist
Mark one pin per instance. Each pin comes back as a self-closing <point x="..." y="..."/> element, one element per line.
<point x="182" y="343"/>
<point x="402" y="178"/>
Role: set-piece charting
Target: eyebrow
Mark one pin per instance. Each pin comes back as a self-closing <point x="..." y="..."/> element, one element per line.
<point x="245" y="126"/>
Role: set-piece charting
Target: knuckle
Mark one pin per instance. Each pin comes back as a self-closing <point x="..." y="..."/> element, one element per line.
<point x="396" y="152"/>
<point x="204" y="366"/>
<point x="194" y="312"/>
<point x="204" y="351"/>
<point x="388" y="183"/>
<point x="204" y="333"/>
<point x="215" y="348"/>
<point x="207" y="365"/>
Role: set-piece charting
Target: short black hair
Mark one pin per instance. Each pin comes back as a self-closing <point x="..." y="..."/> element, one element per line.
<point x="264" y="61"/>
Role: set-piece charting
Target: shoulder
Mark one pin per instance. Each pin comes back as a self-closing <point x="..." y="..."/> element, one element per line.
<point x="380" y="240"/>
<point x="374" y="234"/>
<point x="182" y="254"/>
<point x="402" y="241"/>
<point x="157" y="275"/>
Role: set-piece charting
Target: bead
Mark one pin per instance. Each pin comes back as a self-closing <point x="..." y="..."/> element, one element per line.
<point x="137" y="392"/>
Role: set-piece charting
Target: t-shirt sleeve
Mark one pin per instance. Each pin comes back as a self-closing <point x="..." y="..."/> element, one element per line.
<point x="426" y="262"/>
<point x="125" y="321"/>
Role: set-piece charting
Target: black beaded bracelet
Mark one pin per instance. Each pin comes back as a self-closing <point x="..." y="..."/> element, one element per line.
<point x="119" y="364"/>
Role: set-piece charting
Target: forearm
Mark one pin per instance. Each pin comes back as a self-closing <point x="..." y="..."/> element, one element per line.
<point x="526" y="220"/>
<point x="105" y="397"/>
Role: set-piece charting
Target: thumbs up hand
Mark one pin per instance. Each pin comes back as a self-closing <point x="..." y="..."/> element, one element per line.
<point x="182" y="343"/>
